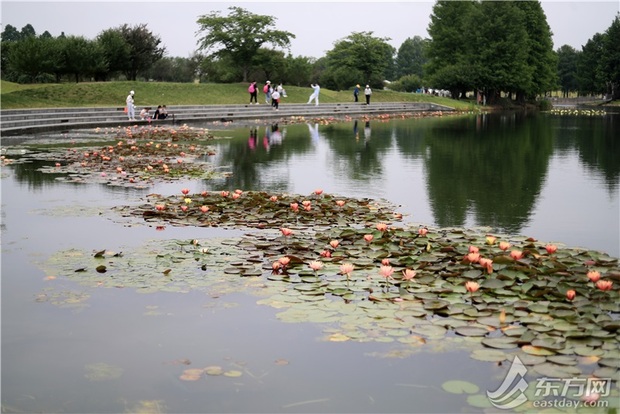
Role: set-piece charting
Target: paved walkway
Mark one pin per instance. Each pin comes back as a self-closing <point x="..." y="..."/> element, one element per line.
<point x="29" y="121"/>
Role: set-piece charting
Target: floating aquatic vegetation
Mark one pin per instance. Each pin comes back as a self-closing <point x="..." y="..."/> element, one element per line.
<point x="101" y="371"/>
<point x="442" y="288"/>
<point x="136" y="160"/>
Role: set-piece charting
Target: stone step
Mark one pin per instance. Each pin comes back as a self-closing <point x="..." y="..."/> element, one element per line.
<point x="18" y="121"/>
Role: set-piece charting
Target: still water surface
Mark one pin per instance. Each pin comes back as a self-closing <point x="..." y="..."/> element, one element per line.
<point x="552" y="178"/>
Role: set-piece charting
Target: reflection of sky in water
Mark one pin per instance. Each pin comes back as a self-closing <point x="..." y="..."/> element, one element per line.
<point x="45" y="347"/>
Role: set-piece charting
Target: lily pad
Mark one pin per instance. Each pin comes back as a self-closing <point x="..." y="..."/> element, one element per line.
<point x="460" y="387"/>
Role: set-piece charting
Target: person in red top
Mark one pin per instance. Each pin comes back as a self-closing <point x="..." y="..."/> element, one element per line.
<point x="252" y="89"/>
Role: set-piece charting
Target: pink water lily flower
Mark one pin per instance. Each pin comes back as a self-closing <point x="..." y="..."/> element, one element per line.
<point x="381" y="226"/>
<point x="346" y="268"/>
<point x="472" y="286"/>
<point x="386" y="271"/>
<point x="408" y="274"/>
<point x="368" y="238"/>
<point x="204" y="209"/>
<point x="473" y="257"/>
<point x="516" y="254"/>
<point x="286" y="232"/>
<point x="284" y="261"/>
<point x="334" y="243"/>
<point x="422" y="231"/>
<point x="551" y="248"/>
<point x="487" y="264"/>
<point x="318" y="191"/>
<point x="504" y="245"/>
<point x="340" y="203"/>
<point x="604" y="285"/>
<point x="273" y="198"/>
<point x="594" y="275"/>
<point x="185" y="191"/>
<point x="473" y="249"/>
<point x="570" y="294"/>
<point x="294" y="206"/>
<point x="315" y="265"/>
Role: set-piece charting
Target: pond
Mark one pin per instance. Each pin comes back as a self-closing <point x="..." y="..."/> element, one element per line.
<point x="152" y="331"/>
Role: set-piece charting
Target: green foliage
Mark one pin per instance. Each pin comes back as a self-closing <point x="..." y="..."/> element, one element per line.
<point x="239" y="36"/>
<point x="410" y="59"/>
<point x="610" y="60"/>
<point x="144" y="49"/>
<point x="408" y="83"/>
<point x="567" y="69"/>
<point x="364" y="57"/>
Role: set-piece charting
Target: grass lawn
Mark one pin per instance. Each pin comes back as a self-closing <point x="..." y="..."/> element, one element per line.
<point x="103" y="94"/>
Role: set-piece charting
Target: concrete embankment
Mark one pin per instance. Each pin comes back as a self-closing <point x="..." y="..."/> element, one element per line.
<point x="29" y="121"/>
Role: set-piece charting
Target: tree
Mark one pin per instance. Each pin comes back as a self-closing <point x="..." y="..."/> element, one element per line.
<point x="116" y="51"/>
<point x="501" y="57"/>
<point x="144" y="49"/>
<point x="10" y="34"/>
<point x="359" y="58"/>
<point x="452" y="36"/>
<point x="589" y="75"/>
<point x="541" y="59"/>
<point x="610" y="59"/>
<point x="239" y="36"/>
<point x="27" y="31"/>
<point x="410" y="58"/>
<point x="567" y="69"/>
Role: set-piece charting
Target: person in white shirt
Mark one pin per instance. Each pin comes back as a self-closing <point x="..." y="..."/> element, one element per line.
<point x="131" y="109"/>
<point x="367" y="93"/>
<point x="315" y="94"/>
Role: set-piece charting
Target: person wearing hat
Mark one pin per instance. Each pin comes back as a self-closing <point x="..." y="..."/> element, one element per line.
<point x="367" y="92"/>
<point x="356" y="92"/>
<point x="131" y="109"/>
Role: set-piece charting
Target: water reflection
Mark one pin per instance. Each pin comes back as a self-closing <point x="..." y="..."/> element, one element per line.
<point x="475" y="170"/>
<point x="499" y="170"/>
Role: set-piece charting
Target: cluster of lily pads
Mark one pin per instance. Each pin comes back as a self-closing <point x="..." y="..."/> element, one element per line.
<point x="139" y="157"/>
<point x="351" y="265"/>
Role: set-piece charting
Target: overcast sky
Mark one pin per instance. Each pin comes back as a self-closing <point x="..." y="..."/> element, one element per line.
<point x="316" y="25"/>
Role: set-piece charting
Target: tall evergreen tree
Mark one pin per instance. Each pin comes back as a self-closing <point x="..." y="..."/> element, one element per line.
<point x="567" y="69"/>
<point x="540" y="57"/>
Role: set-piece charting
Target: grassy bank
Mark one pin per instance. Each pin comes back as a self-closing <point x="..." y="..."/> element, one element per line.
<point x="102" y="94"/>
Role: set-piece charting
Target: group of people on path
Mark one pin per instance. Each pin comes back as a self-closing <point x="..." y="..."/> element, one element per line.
<point x="272" y="94"/>
<point x="130" y="108"/>
<point x="367" y="93"/>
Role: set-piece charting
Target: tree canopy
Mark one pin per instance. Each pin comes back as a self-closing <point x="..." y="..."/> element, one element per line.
<point x="239" y="36"/>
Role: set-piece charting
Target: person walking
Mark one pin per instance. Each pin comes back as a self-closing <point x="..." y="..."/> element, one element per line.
<point x="252" y="89"/>
<point x="131" y="109"/>
<point x="367" y="93"/>
<point x="275" y="99"/>
<point x="267" y="91"/>
<point x="356" y="92"/>
<point x="315" y="94"/>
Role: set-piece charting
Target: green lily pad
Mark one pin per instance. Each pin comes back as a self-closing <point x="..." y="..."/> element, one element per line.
<point x="500" y="343"/>
<point x="471" y="331"/>
<point x="460" y="387"/>
<point x="488" y="355"/>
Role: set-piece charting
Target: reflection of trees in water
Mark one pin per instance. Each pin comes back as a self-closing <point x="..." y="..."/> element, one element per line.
<point x="596" y="140"/>
<point x="26" y="173"/>
<point x="494" y="172"/>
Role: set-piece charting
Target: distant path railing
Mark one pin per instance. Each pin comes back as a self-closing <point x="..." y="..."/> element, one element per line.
<point x="581" y="100"/>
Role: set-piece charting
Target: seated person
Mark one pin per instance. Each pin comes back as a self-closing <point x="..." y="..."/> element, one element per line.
<point x="144" y="114"/>
<point x="163" y="112"/>
<point x="157" y="111"/>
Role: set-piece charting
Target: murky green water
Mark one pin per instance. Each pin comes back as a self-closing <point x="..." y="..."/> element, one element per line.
<point x="70" y="347"/>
